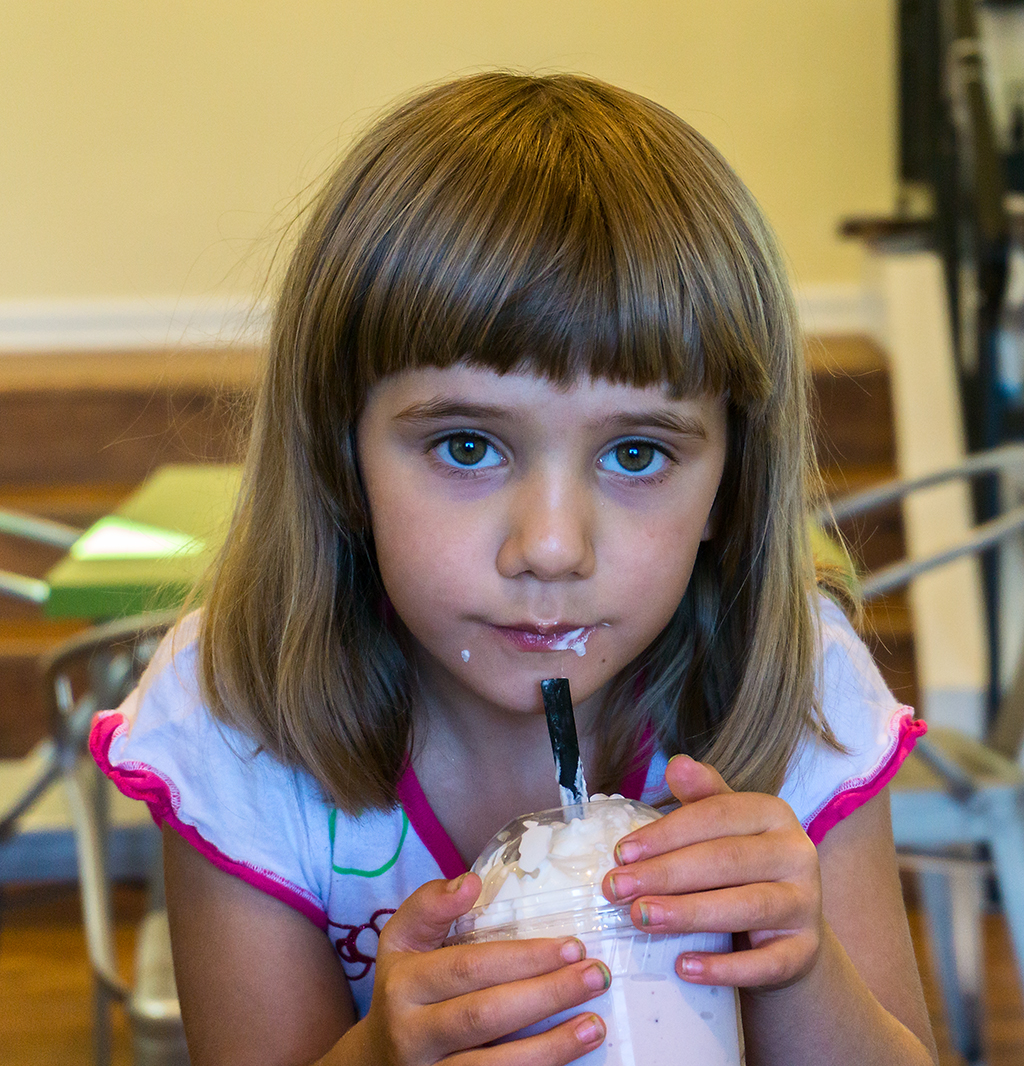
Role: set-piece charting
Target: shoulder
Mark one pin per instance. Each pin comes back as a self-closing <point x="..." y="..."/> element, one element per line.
<point x="164" y="719"/>
<point x="239" y="806"/>
<point x="874" y="731"/>
<point x="846" y="673"/>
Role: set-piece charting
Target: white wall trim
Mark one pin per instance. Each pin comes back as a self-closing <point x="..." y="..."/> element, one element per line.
<point x="828" y="310"/>
<point x="28" y="327"/>
<point x="104" y="325"/>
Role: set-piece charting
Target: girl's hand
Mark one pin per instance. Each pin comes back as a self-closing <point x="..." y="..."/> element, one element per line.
<point x="435" y="1004"/>
<point x="725" y="862"/>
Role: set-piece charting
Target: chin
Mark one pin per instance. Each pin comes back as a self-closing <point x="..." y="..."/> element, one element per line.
<point x="526" y="698"/>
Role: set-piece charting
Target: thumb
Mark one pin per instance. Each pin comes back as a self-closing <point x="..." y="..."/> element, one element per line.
<point x="422" y="922"/>
<point x="690" y="780"/>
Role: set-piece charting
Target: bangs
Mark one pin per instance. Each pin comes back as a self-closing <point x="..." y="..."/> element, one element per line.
<point x="550" y="225"/>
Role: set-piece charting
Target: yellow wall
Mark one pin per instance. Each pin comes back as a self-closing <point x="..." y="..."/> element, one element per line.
<point x="153" y="149"/>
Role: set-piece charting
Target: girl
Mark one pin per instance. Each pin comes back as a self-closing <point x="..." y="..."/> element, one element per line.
<point x="534" y="407"/>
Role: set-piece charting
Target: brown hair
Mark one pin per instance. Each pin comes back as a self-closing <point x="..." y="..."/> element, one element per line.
<point x="571" y="228"/>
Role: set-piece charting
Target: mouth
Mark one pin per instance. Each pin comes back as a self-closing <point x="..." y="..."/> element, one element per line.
<point x="544" y="638"/>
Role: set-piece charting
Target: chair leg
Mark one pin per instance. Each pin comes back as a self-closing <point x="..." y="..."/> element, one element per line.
<point x="102" y="1038"/>
<point x="1007" y="846"/>
<point x="952" y="901"/>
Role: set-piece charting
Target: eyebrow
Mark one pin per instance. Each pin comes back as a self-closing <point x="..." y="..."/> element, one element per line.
<point x="683" y="425"/>
<point x="442" y="409"/>
<point x="439" y="409"/>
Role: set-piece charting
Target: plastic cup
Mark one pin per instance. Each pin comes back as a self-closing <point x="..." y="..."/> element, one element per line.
<point x="542" y="877"/>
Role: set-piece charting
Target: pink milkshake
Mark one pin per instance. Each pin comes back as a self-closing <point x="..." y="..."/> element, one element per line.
<point x="542" y="876"/>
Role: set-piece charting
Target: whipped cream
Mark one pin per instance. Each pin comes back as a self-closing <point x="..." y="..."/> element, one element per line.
<point x="555" y="854"/>
<point x="574" y="640"/>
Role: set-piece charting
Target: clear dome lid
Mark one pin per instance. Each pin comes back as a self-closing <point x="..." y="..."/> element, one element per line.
<point x="542" y="872"/>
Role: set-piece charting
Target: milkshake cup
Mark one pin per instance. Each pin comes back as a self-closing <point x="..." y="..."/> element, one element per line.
<point x="542" y="877"/>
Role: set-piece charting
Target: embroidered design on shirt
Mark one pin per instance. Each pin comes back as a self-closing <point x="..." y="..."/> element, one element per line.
<point x="332" y="822"/>
<point x="354" y="960"/>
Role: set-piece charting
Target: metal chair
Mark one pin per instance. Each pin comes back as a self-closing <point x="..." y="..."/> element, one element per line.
<point x="41" y="531"/>
<point x="958" y="801"/>
<point x="43" y="848"/>
<point x="43" y="767"/>
<point x="114" y="655"/>
<point x="92" y="671"/>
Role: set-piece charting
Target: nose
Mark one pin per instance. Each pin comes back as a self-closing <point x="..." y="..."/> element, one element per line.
<point x="550" y="530"/>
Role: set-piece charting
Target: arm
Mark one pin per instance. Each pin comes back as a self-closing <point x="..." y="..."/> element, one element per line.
<point x="828" y="973"/>
<point x="259" y="983"/>
<point x="863" y="995"/>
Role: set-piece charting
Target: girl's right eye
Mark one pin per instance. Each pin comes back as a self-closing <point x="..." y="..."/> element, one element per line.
<point x="468" y="451"/>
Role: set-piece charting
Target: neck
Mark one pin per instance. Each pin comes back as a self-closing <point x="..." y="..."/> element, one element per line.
<point x="484" y="732"/>
<point x="480" y="765"/>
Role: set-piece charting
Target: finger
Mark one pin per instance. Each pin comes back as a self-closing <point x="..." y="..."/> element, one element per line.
<point x="488" y="1014"/>
<point x="774" y="964"/>
<point x="422" y="922"/>
<point x="462" y="968"/>
<point x="719" y="862"/>
<point x="690" y="782"/>
<point x="720" y="817"/>
<point x="559" y="1045"/>
<point x="745" y="909"/>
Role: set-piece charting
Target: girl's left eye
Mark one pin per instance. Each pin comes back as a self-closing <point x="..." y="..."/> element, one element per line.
<point x="469" y="451"/>
<point x="634" y="458"/>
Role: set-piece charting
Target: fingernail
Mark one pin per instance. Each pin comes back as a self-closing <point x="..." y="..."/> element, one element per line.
<point x="689" y="965"/>
<point x="590" y="1030"/>
<point x="573" y="950"/>
<point x="650" y="914"/>
<point x="454" y="885"/>
<point x="627" y="851"/>
<point x="623" y="885"/>
<point x="597" y="977"/>
<point x="681" y="757"/>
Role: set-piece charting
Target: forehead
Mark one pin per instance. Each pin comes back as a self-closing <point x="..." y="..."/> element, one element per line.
<point x="431" y="393"/>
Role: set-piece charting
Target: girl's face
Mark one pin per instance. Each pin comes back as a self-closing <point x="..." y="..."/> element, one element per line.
<point x="527" y="530"/>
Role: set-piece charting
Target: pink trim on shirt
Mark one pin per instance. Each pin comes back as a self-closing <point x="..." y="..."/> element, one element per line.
<point x="142" y="782"/>
<point x="857" y="791"/>
<point x="422" y="818"/>
<point x="436" y="839"/>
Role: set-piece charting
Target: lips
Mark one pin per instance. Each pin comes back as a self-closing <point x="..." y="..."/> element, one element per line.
<point x="560" y="637"/>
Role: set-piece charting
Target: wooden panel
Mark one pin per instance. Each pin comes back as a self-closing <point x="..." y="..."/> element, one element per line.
<point x="853" y="419"/>
<point x="205" y="370"/>
<point x="112" y="436"/>
<point x="45" y="980"/>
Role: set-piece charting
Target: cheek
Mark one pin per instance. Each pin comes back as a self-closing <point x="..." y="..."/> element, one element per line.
<point x="423" y="557"/>
<point x="654" y="569"/>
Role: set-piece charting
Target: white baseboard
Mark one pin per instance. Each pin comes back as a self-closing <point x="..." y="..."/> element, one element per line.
<point x="838" y="310"/>
<point x="104" y="325"/>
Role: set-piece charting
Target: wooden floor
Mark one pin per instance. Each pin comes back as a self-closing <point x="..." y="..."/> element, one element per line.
<point x="45" y="984"/>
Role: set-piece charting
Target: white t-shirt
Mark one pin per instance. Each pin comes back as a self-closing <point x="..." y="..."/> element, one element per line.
<point x="270" y="825"/>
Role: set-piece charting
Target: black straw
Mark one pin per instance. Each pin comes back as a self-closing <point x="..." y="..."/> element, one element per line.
<point x="564" y="742"/>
